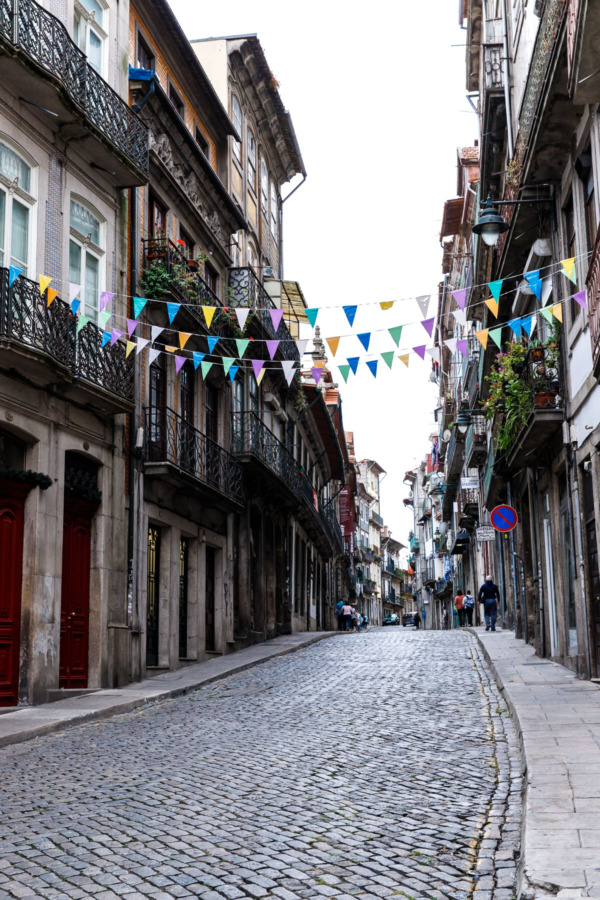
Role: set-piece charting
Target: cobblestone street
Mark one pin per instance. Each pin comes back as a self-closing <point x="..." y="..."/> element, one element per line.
<point x="365" y="766"/>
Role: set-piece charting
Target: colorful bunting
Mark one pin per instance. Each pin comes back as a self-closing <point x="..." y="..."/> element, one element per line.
<point x="344" y="372"/>
<point x="580" y="298"/>
<point x="173" y="309"/>
<point x="131" y="326"/>
<point x="51" y="296"/>
<point x="515" y="326"/>
<point x="460" y="316"/>
<point x="428" y="325"/>
<point x="420" y="351"/>
<point x="434" y="353"/>
<point x="495" y="288"/>
<point x="372" y="366"/>
<point x="396" y="334"/>
<point x="569" y="269"/>
<point x="212" y="343"/>
<point x="496" y="336"/>
<point x="141" y="343"/>
<point x="105" y="338"/>
<point x="170" y="349"/>
<point x="103" y="318"/>
<point x="105" y="298"/>
<point x="276" y="316"/>
<point x="547" y="314"/>
<point x="233" y="372"/>
<point x="350" y="313"/>
<point x="535" y="282"/>
<point x="184" y="337"/>
<point x="156" y="331"/>
<point x="75" y="306"/>
<point x="353" y="363"/>
<point x="261" y="375"/>
<point x="257" y="365"/>
<point x="153" y="355"/>
<point x="461" y="346"/>
<point x="272" y="348"/>
<point x="557" y="310"/>
<point x="311" y="315"/>
<point x="493" y="306"/>
<point x="451" y="345"/>
<point x="388" y="357"/>
<point x="74" y="289"/>
<point x="386" y="304"/>
<point x="138" y="305"/>
<point x="460" y="297"/>
<point x="179" y="361"/>
<point x="242" y="315"/>
<point x="482" y="337"/>
<point x="301" y="345"/>
<point x="242" y="345"/>
<point x="114" y="337"/>
<point x="405" y="358"/>
<point x="423" y="303"/>
<point x="528" y="324"/>
<point x="129" y="348"/>
<point x="288" y="369"/>
<point x="365" y="339"/>
<point x="197" y="357"/>
<point x="209" y="312"/>
<point x="317" y="374"/>
<point x="205" y="367"/>
<point x="228" y="361"/>
<point x="333" y="344"/>
<point x="13" y="274"/>
<point x="44" y="282"/>
<point x="82" y="322"/>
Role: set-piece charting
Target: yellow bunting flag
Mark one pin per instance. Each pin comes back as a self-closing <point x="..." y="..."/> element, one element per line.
<point x="319" y="363"/>
<point x="260" y="376"/>
<point x="333" y="344"/>
<point x="44" y="282"/>
<point x="387" y="304"/>
<point x="130" y="346"/>
<point x="569" y="269"/>
<point x="171" y="349"/>
<point x="51" y="295"/>
<point x="482" y="337"/>
<point x="493" y="306"/>
<point x="404" y="358"/>
<point x="184" y="337"/>
<point x="209" y="312"/>
<point x="557" y="311"/>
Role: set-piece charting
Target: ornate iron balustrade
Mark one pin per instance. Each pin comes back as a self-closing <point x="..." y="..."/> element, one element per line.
<point x="24" y="317"/>
<point x="334" y="525"/>
<point x="245" y="290"/>
<point x="370" y="585"/>
<point x="377" y="518"/>
<point x="593" y="293"/>
<point x="414" y="544"/>
<point x="429" y="573"/>
<point x="181" y="276"/>
<point x="169" y="438"/>
<point x="476" y="441"/>
<point x="468" y="504"/>
<point x="28" y="27"/>
<point x="493" y="66"/>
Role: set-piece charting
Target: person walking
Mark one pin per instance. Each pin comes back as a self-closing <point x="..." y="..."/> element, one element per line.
<point x="489" y="596"/>
<point x="417" y="620"/>
<point x="445" y="620"/>
<point x="458" y="605"/>
<point x="357" y="619"/>
<point x="347" y="615"/>
<point x="338" y="612"/>
<point x="468" y="607"/>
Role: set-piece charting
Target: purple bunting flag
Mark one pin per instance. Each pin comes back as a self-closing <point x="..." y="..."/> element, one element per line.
<point x="460" y="297"/>
<point x="179" y="361"/>
<point x="272" y="348"/>
<point x="131" y="326"/>
<point x="428" y="325"/>
<point x="115" y="336"/>
<point x="420" y="351"/>
<point x="461" y="346"/>
<point x="276" y="316"/>
<point x="317" y="374"/>
<point x="580" y="298"/>
<point x="257" y="365"/>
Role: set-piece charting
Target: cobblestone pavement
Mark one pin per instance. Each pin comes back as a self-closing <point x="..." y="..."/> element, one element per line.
<point x="380" y="765"/>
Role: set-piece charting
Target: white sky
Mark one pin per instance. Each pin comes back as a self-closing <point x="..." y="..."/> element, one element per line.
<point x="377" y="97"/>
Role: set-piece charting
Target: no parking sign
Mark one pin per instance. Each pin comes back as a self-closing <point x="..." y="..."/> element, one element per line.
<point x="504" y="518"/>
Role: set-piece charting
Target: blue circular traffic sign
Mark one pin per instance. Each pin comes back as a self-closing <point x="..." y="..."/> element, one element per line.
<point x="503" y="518"/>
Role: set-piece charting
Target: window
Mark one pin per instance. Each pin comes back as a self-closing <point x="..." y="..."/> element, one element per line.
<point x="201" y="141"/>
<point x="252" y="260"/>
<point x="176" y="101"/>
<point x="157" y="224"/>
<point x="252" y="395"/>
<point x="89" y="31"/>
<point x="274" y="210"/>
<point x="186" y="244"/>
<point x="589" y="198"/>
<point x="264" y="187"/>
<point x="85" y="257"/>
<point x="211" y="412"/>
<point x="570" y="246"/>
<point x="145" y="56"/>
<point x="237" y="121"/>
<point x="211" y="278"/>
<point x="251" y="161"/>
<point x="14" y="210"/>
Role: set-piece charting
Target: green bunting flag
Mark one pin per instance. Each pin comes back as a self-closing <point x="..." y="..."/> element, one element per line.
<point x="395" y="334"/>
<point x="547" y="313"/>
<point x="82" y="322"/>
<point x="228" y="361"/>
<point x="496" y="336"/>
<point x="206" y="367"/>
<point x="242" y="345"/>
<point x="344" y="372"/>
<point x="388" y="357"/>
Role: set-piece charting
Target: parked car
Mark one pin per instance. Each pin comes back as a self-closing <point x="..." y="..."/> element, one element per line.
<point x="408" y="619"/>
<point x="391" y="619"/>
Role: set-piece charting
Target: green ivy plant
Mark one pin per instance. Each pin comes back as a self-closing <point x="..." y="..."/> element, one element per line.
<point x="155" y="281"/>
<point x="509" y="393"/>
<point x="26" y="476"/>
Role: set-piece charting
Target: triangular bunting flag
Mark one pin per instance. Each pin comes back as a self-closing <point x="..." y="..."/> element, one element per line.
<point x="434" y="353"/>
<point x="260" y="376"/>
<point x="197" y="357"/>
<point x="482" y="337"/>
<point x="385" y="304"/>
<point x="131" y="326"/>
<point x="130" y="346"/>
<point x="353" y="363"/>
<point x="311" y="315"/>
<point x="114" y="337"/>
<point x="82" y="322"/>
<point x="212" y="343"/>
<point x="395" y="334"/>
<point x="461" y="346"/>
<point x="580" y="298"/>
<point x="138" y="305"/>
<point x="184" y="337"/>
<point x="173" y="309"/>
<point x="170" y="349"/>
<point x="209" y="312"/>
<point x="105" y="298"/>
<point x="527" y="324"/>
<point x="535" y="282"/>
<point x="388" y="357"/>
<point x="423" y="303"/>
<point x="515" y="326"/>
<point x="372" y="366"/>
<point x="320" y="363"/>
<point x="153" y="355"/>
<point x="141" y="343"/>
<point x="228" y="361"/>
<point x="460" y="297"/>
<point x="333" y="344"/>
<point x="496" y="336"/>
<point x="493" y="306"/>
<point x="233" y="372"/>
<point x="272" y="348"/>
<point x="103" y="318"/>
<point x="495" y="288"/>
<point x="460" y="316"/>
<point x="206" y="367"/>
<point x="350" y="313"/>
<point x="242" y="315"/>
<point x="13" y="274"/>
<point x="557" y="310"/>
<point x="344" y="372"/>
<point x="547" y="314"/>
<point x="276" y="316"/>
<point x="257" y="365"/>
<point x="105" y="338"/>
<point x="156" y="331"/>
<point x="75" y="304"/>
<point x="288" y="369"/>
<point x="365" y="339"/>
<point x="51" y="296"/>
<point x="405" y="358"/>
<point x="74" y="289"/>
<point x="546" y="291"/>
<point x="420" y="351"/>
<point x="451" y="345"/>
<point x="242" y="345"/>
<point x="301" y="345"/>
<point x="428" y="325"/>
<point x="179" y="361"/>
<point x="569" y="269"/>
<point x="317" y="374"/>
<point x="44" y="282"/>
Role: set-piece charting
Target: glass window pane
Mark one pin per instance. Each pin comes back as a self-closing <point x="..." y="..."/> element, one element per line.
<point x="13" y="167"/>
<point x="2" y="219"/>
<point x="19" y="239"/>
<point x="74" y="263"/>
<point x="84" y="221"/>
<point x="92" y="269"/>
<point x="95" y="54"/>
<point x="93" y="6"/>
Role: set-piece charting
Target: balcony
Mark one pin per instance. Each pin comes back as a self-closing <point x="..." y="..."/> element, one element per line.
<point x="476" y="442"/>
<point x="390" y="567"/>
<point x="455" y="454"/>
<point x="376" y="519"/>
<point x="429" y="575"/>
<point x="329" y="514"/>
<point x="468" y="508"/>
<point x="44" y="67"/>
<point x="171" y="443"/>
<point x="543" y="428"/>
<point x="245" y="290"/>
<point x="370" y="586"/>
<point x="414" y="544"/>
<point x="593" y="294"/>
<point x="42" y="344"/>
<point x="166" y="269"/>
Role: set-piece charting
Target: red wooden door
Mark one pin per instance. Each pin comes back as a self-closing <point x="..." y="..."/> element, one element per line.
<point x="12" y="505"/>
<point x="75" y="597"/>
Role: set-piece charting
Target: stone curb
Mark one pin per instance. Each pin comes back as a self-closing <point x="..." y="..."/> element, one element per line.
<point x="125" y="705"/>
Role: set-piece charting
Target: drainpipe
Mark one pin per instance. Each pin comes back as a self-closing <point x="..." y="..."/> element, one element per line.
<point x="576" y="526"/>
<point x="284" y="200"/>
<point x="132" y="590"/>
<point x="511" y="543"/>
<point x="535" y="516"/>
<point x="507" y="95"/>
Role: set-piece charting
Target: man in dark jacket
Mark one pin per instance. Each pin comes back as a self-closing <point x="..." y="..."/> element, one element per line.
<point x="489" y="595"/>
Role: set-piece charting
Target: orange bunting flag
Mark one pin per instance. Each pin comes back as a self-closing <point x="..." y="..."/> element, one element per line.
<point x="44" y="282"/>
<point x="319" y="363"/>
<point x="387" y="304"/>
<point x="183" y="338"/>
<point x="130" y="346"/>
<point x="482" y="337"/>
<point x="493" y="306"/>
<point x="557" y="311"/>
<point x="51" y="296"/>
<point x="404" y="358"/>
<point x="333" y="344"/>
<point x="209" y="312"/>
<point x="171" y="349"/>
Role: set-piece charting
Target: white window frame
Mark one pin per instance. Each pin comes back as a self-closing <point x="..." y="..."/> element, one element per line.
<point x="264" y="186"/>
<point x="97" y="251"/>
<point x="274" y="209"/>
<point x="13" y="191"/>
<point x="251" y="159"/>
<point x="237" y="145"/>
<point x="88" y="23"/>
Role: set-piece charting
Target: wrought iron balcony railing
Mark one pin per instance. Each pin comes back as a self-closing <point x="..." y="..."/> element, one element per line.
<point x="593" y="293"/>
<point x="169" y="438"/>
<point x="30" y="30"/>
<point x="51" y="330"/>
<point x="246" y="290"/>
<point x="370" y="585"/>
<point x="167" y="268"/>
<point x="377" y="518"/>
<point x="332" y="519"/>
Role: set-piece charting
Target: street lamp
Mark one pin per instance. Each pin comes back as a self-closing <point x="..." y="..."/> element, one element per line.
<point x="490" y="224"/>
<point x="462" y="423"/>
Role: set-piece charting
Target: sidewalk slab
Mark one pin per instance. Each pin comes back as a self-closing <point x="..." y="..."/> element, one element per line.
<point x="29" y="722"/>
<point x="557" y="717"/>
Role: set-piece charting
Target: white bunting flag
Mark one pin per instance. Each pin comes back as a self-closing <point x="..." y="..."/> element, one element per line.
<point x="141" y="343"/>
<point x="288" y="369"/>
<point x="242" y="315"/>
<point x="301" y="345"/>
<point x="156" y="331"/>
<point x="451" y="345"/>
<point x="460" y="316"/>
<point x="152" y="355"/>
<point x="423" y="303"/>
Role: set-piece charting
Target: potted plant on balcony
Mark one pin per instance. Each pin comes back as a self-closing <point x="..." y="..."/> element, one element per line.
<point x="155" y="281"/>
<point x="158" y="246"/>
<point x="509" y="394"/>
<point x="537" y="350"/>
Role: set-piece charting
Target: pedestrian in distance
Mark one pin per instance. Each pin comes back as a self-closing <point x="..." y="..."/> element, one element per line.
<point x="357" y="619"/>
<point x="468" y="607"/>
<point x="445" y="620"/>
<point x="347" y="614"/>
<point x="417" y="620"/>
<point x="489" y="596"/>
<point x="338" y="612"/>
<point x="458" y="605"/>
